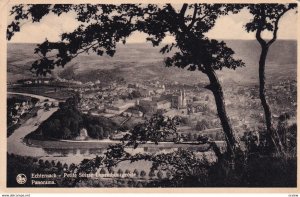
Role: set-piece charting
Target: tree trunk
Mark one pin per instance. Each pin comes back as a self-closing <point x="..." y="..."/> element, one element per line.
<point x="262" y="88"/>
<point x="272" y="133"/>
<point x="216" y="88"/>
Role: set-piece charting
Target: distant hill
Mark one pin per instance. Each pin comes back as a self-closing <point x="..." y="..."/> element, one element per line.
<point x="137" y="62"/>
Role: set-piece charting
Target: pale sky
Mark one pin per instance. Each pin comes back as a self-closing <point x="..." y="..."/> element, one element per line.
<point x="227" y="27"/>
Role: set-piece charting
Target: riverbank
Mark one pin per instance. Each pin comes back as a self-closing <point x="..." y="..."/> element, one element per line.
<point x="39" y="97"/>
<point x="72" y="144"/>
<point x="70" y="151"/>
<point x="15" y="142"/>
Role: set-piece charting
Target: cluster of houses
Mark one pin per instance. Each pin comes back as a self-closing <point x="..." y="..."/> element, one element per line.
<point x="151" y="97"/>
<point x="18" y="110"/>
<point x="36" y="81"/>
<point x="110" y="102"/>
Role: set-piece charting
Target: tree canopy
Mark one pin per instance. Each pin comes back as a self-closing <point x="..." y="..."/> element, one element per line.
<point x="266" y="17"/>
<point x="104" y="25"/>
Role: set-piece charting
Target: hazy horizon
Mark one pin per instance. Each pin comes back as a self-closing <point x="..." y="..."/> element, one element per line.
<point x="281" y="39"/>
<point x="145" y="61"/>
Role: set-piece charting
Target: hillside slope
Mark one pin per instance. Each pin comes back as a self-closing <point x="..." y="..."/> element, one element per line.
<point x="137" y="62"/>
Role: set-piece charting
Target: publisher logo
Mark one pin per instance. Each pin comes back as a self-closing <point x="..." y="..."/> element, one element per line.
<point x="21" y="179"/>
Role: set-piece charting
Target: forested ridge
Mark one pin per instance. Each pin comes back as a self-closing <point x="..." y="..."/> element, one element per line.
<point x="67" y="122"/>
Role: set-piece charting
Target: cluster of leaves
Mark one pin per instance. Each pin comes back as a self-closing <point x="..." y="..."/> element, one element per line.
<point x="156" y="129"/>
<point x="266" y="17"/>
<point x="196" y="51"/>
<point x="182" y="166"/>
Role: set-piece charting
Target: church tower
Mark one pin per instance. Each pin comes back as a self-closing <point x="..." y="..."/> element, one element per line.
<point x="183" y="99"/>
<point x="179" y="100"/>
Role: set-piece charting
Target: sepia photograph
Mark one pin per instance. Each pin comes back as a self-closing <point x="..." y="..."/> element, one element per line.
<point x="151" y="95"/>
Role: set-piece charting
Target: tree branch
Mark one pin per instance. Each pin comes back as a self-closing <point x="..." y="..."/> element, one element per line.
<point x="183" y="9"/>
<point x="85" y="49"/>
<point x="261" y="41"/>
<point x="194" y="16"/>
<point x="170" y="8"/>
<point x="276" y="27"/>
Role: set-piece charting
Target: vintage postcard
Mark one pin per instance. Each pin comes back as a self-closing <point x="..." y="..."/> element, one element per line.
<point x="149" y="96"/>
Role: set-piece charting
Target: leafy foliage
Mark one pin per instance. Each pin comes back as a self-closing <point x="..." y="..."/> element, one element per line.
<point x="67" y="122"/>
<point x="103" y="25"/>
<point x="266" y="17"/>
<point x="156" y="129"/>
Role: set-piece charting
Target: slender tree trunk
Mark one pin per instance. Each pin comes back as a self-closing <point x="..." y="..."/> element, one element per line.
<point x="216" y="88"/>
<point x="272" y="133"/>
<point x="262" y="88"/>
